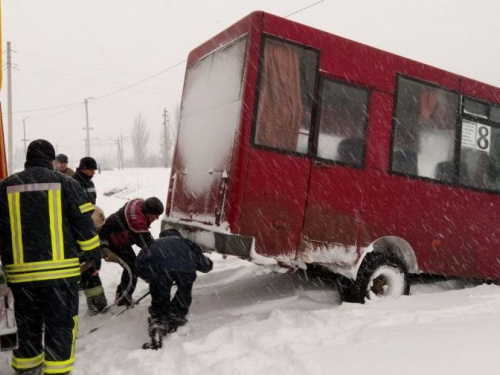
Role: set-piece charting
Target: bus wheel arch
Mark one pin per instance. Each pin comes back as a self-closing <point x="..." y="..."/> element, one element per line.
<point x="382" y="272"/>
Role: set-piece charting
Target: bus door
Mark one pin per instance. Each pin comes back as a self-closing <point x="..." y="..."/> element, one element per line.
<point x="336" y="182"/>
<point x="278" y="168"/>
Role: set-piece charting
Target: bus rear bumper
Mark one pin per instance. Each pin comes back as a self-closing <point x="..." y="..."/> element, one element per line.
<point x="211" y="240"/>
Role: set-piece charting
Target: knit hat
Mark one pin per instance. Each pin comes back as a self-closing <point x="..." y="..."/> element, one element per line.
<point x="152" y="206"/>
<point x="170" y="233"/>
<point x="88" y="163"/>
<point x="61" y="158"/>
<point x="40" y="149"/>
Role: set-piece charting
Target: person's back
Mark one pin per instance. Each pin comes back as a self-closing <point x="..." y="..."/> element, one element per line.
<point x="171" y="258"/>
<point x="44" y="222"/>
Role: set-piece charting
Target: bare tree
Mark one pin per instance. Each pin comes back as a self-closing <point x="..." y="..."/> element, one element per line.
<point x="140" y="138"/>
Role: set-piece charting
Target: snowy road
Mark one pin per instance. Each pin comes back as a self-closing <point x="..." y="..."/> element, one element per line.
<point x="245" y="320"/>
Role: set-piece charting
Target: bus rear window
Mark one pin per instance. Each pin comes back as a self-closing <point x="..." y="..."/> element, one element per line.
<point x="286" y="95"/>
<point x="424" y="131"/>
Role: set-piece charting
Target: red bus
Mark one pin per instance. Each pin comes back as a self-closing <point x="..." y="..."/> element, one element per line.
<point x="297" y="147"/>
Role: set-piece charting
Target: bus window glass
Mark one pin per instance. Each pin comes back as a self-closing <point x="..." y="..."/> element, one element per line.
<point x="495" y="114"/>
<point x="343" y="118"/>
<point x="424" y="134"/>
<point x="471" y="107"/>
<point x="480" y="156"/>
<point x="286" y="96"/>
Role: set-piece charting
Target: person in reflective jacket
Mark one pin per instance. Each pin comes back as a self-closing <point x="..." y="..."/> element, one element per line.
<point x="168" y="260"/>
<point x="45" y="220"/>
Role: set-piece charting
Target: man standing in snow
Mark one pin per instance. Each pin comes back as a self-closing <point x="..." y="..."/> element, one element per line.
<point x="126" y="227"/>
<point x="62" y="165"/>
<point x="171" y="258"/>
<point x="45" y="219"/>
<point x="91" y="282"/>
<point x="84" y="173"/>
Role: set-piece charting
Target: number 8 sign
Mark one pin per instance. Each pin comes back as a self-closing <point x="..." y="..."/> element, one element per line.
<point x="483" y="138"/>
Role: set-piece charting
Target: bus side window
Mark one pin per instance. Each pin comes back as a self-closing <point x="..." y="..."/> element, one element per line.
<point x="286" y="95"/>
<point x="483" y="165"/>
<point x="424" y="131"/>
<point x="342" y="123"/>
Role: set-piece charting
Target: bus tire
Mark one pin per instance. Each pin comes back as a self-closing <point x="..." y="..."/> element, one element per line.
<point x="380" y="276"/>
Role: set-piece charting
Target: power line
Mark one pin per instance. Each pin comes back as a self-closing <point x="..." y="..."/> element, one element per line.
<point x="147" y="78"/>
<point x="307" y="7"/>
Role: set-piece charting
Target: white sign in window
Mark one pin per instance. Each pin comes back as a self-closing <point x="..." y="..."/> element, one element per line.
<point x="476" y="136"/>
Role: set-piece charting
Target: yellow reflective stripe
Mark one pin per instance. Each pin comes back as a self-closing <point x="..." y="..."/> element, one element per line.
<point x="15" y="227"/>
<point x="56" y="234"/>
<point x="40" y="276"/>
<point x="59" y="224"/>
<point x="27" y="363"/>
<point x="86" y="207"/>
<point x="95" y="291"/>
<point x="58" y="367"/>
<point x="41" y="266"/>
<point x="91" y="244"/>
<point x="75" y="333"/>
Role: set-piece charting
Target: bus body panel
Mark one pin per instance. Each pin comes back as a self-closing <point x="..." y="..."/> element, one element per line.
<point x="298" y="208"/>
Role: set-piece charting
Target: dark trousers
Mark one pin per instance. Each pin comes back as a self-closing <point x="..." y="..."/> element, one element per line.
<point x="162" y="308"/>
<point x="128" y="256"/>
<point x="47" y="320"/>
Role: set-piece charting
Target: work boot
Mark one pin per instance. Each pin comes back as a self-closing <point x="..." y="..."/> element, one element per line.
<point x="175" y="322"/>
<point x="125" y="301"/>
<point x="96" y="304"/>
<point x="157" y="327"/>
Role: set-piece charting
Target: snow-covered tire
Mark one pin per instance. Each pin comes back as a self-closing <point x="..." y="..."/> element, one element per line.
<point x="380" y="276"/>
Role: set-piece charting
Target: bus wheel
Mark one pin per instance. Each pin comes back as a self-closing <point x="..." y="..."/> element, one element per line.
<point x="380" y="276"/>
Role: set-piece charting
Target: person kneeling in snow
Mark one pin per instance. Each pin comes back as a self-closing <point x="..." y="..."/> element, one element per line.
<point x="171" y="258"/>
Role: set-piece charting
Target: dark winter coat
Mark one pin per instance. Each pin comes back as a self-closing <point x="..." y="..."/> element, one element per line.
<point x="126" y="227"/>
<point x="171" y="254"/>
<point x="87" y="184"/>
<point x="45" y="220"/>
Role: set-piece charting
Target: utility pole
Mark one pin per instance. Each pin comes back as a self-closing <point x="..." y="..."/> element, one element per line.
<point x="24" y="135"/>
<point x="87" y="128"/>
<point x="10" y="156"/>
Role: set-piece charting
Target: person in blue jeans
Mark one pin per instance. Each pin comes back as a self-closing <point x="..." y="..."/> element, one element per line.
<point x="168" y="260"/>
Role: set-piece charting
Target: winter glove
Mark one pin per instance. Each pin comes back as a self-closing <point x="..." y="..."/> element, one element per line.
<point x="109" y="256"/>
<point x="91" y="258"/>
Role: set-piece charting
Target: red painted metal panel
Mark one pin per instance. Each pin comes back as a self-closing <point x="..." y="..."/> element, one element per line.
<point x="480" y="90"/>
<point x="275" y="199"/>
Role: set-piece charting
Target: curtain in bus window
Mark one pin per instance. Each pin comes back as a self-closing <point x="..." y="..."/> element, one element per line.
<point x="280" y="98"/>
<point x="424" y="135"/>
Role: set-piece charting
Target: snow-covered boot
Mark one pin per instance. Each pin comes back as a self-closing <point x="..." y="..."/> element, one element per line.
<point x="96" y="304"/>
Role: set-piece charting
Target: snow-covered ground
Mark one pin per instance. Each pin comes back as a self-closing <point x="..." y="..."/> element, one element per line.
<point x="245" y="320"/>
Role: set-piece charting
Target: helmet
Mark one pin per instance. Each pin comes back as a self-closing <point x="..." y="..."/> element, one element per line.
<point x="152" y="206"/>
<point x="98" y="217"/>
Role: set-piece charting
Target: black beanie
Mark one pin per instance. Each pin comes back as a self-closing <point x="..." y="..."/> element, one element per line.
<point x="88" y="163"/>
<point x="152" y="206"/>
<point x="40" y="149"/>
<point x="61" y="158"/>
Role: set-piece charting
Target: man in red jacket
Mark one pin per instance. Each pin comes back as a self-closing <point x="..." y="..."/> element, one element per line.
<point x="126" y="227"/>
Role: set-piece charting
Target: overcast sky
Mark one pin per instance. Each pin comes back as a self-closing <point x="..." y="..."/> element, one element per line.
<point x="69" y="50"/>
